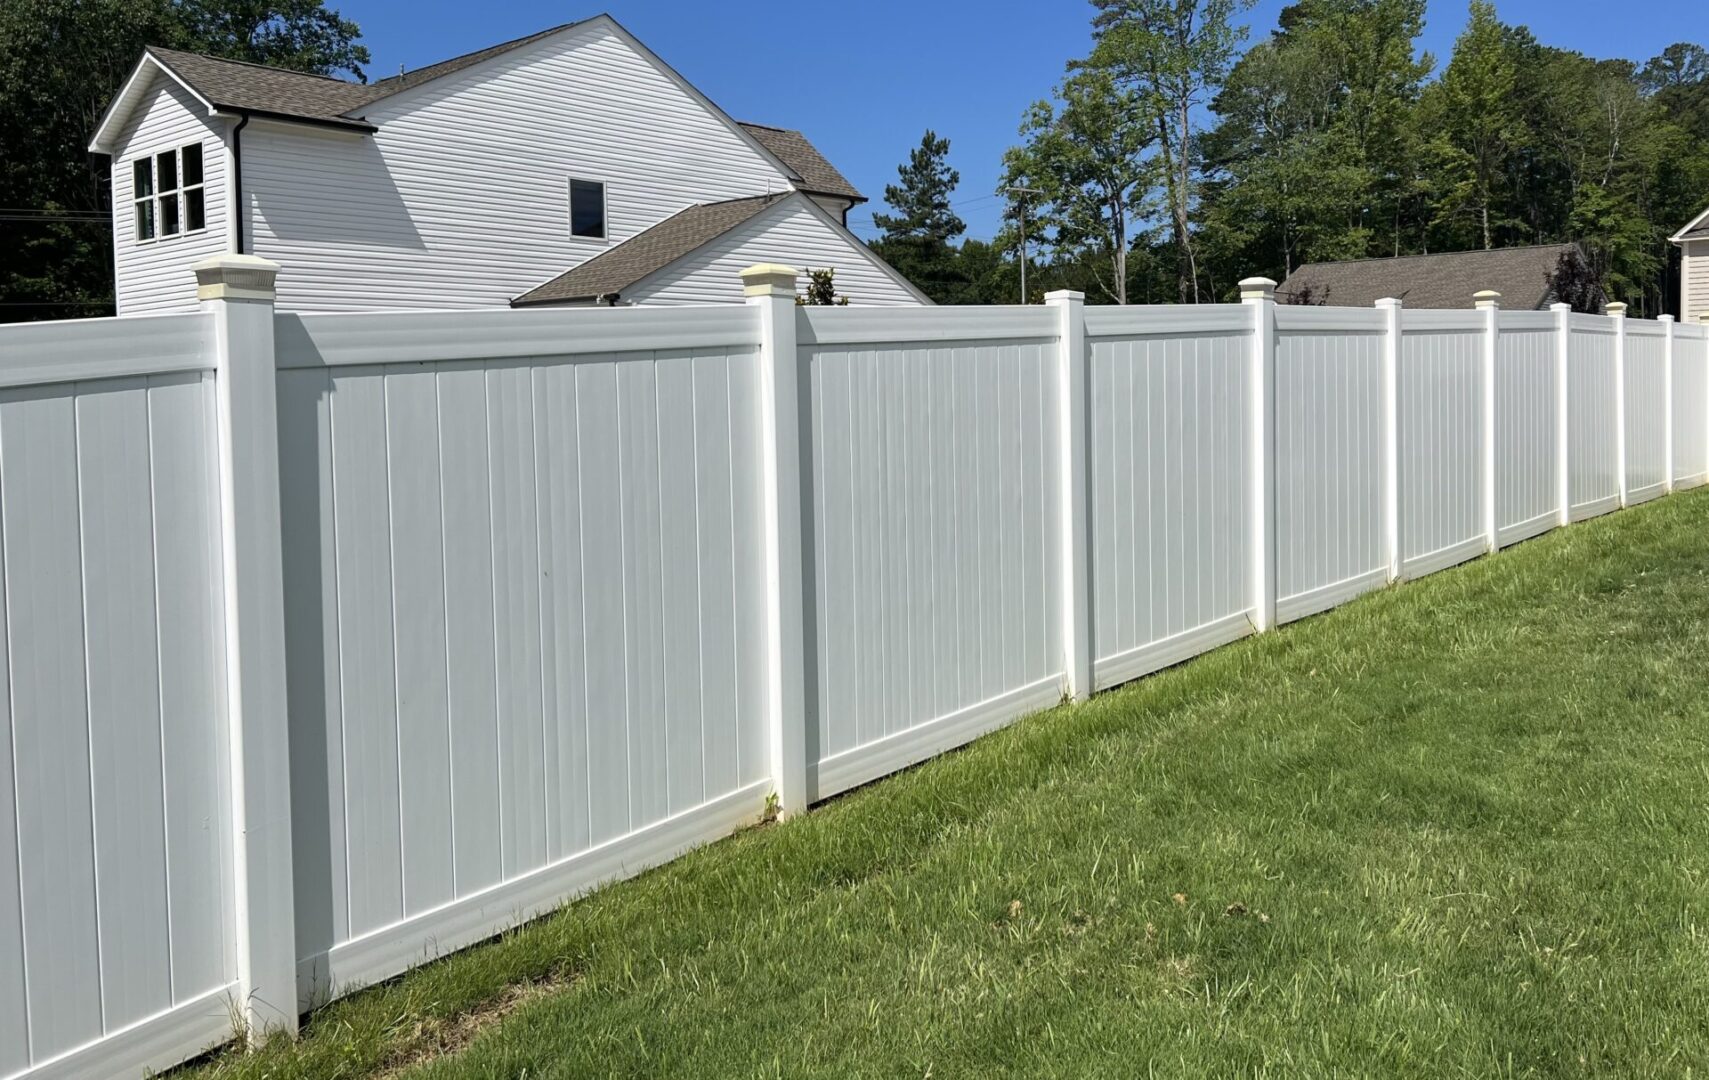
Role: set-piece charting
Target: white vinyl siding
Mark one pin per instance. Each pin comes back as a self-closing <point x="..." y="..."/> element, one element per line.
<point x="1694" y="280"/>
<point x="154" y="275"/>
<point x="459" y="199"/>
<point x="794" y="233"/>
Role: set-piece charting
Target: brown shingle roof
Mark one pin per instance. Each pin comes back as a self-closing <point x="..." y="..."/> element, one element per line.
<point x="1521" y="275"/>
<point x="792" y="148"/>
<point x="245" y="87"/>
<point x="617" y="268"/>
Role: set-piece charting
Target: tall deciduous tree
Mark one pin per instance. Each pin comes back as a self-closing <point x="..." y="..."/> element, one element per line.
<point x="1084" y="153"/>
<point x="1173" y="54"/>
<point x="1474" y="116"/>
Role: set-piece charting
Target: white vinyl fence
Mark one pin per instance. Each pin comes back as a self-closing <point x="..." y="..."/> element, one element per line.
<point x="337" y="642"/>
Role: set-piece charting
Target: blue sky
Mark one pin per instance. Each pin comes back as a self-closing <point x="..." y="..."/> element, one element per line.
<point x="864" y="80"/>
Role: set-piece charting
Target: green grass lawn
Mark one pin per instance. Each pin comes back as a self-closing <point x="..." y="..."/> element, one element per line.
<point x="1458" y="828"/>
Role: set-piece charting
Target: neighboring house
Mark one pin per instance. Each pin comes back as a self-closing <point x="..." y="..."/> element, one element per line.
<point x="1693" y="241"/>
<point x="1524" y="277"/>
<point x="572" y="166"/>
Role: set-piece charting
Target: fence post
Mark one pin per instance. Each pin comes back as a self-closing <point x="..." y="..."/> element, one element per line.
<point x="1667" y="402"/>
<point x="1391" y="309"/>
<point x="237" y="290"/>
<point x="1073" y="478"/>
<point x="770" y="291"/>
<point x="1617" y="312"/>
<point x="1259" y="293"/>
<point x="1488" y="301"/>
<point x="1563" y="445"/>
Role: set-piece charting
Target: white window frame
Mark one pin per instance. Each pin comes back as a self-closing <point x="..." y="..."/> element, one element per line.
<point x="176" y="195"/>
<point x="604" y="209"/>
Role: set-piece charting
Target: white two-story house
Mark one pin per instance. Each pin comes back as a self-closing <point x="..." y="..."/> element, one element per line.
<point x="572" y="166"/>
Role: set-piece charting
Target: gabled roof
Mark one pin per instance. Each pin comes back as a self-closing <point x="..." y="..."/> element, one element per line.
<point x="792" y="148"/>
<point x="1523" y="276"/>
<point x="1696" y="229"/>
<point x="246" y="87"/>
<point x="617" y="268"/>
<point x="392" y="84"/>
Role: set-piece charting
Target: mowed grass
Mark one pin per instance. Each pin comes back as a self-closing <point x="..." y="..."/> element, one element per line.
<point x="1456" y="828"/>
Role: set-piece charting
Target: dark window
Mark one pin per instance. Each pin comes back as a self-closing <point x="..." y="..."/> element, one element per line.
<point x="192" y="164"/>
<point x="167" y="193"/>
<point x="587" y="209"/>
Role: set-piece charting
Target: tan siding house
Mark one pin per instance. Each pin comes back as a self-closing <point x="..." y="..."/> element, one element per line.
<point x="1693" y="241"/>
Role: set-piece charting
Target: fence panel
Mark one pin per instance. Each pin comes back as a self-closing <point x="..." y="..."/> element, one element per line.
<point x="1593" y="469"/>
<point x="1329" y="445"/>
<point x="1646" y="401"/>
<point x="521" y="623"/>
<point x="1527" y="501"/>
<point x="1169" y="505"/>
<point x="1440" y="405"/>
<point x="114" y="937"/>
<point x="1690" y="405"/>
<point x="935" y="563"/>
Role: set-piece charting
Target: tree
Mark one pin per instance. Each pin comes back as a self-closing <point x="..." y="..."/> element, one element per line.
<point x="1172" y="54"/>
<point x="917" y="236"/>
<point x="821" y="290"/>
<point x="61" y="61"/>
<point x="1472" y="112"/>
<point x="1084" y="154"/>
<point x="298" y="34"/>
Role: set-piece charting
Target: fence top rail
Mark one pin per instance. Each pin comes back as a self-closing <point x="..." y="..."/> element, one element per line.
<point x="106" y="348"/>
<point x="909" y="325"/>
<point x="1590" y="324"/>
<point x="1645" y="328"/>
<point x="1469" y="319"/>
<point x="1700" y="331"/>
<point x="1160" y="320"/>
<point x="1300" y="319"/>
<point x="1509" y="321"/>
<point x="396" y="337"/>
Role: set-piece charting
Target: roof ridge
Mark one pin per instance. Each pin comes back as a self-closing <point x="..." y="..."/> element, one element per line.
<point x="402" y="79"/>
<point x="1435" y="254"/>
<point x="256" y="64"/>
<point x="768" y="127"/>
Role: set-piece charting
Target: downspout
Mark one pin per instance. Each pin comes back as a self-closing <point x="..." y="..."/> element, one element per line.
<point x="237" y="207"/>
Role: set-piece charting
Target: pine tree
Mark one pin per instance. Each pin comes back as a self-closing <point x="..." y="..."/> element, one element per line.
<point x="917" y="236"/>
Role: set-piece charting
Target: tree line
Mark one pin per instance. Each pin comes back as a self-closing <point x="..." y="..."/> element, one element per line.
<point x="1167" y="164"/>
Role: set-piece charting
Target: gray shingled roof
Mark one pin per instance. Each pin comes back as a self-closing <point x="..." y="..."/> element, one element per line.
<point x="245" y="87"/>
<point x="1701" y="232"/>
<point x="792" y="148"/>
<point x="1521" y="275"/>
<point x="617" y="268"/>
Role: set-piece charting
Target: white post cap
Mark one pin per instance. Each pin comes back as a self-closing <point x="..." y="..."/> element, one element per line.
<point x="1616" y="309"/>
<point x="1560" y="305"/>
<point x="1664" y="318"/>
<point x="1486" y="298"/>
<point x="1257" y="288"/>
<point x="1388" y="301"/>
<point x="235" y="277"/>
<point x="769" y="279"/>
<point x="1066" y="295"/>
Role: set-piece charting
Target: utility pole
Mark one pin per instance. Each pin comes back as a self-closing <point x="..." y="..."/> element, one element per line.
<point x="1023" y="192"/>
